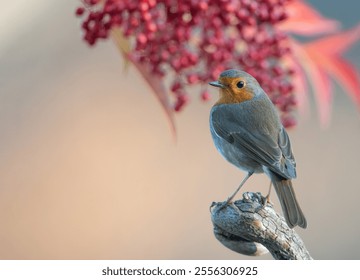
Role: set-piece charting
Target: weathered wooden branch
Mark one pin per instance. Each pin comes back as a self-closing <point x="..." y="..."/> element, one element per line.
<point x="248" y="227"/>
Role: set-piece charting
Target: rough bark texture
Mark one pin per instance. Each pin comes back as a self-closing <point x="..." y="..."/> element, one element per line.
<point x="248" y="227"/>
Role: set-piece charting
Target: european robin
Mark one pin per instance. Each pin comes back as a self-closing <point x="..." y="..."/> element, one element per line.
<point x="247" y="131"/>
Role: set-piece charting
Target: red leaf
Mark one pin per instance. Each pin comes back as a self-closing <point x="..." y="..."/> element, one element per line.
<point x="301" y="90"/>
<point x="305" y="20"/>
<point x="299" y="79"/>
<point x="320" y="84"/>
<point x="347" y="76"/>
<point x="322" y="58"/>
<point x="323" y="91"/>
<point x="158" y="89"/>
<point x="154" y="82"/>
<point x="337" y="43"/>
<point x="327" y="53"/>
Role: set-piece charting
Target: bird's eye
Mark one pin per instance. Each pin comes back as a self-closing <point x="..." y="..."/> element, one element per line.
<point x="240" y="84"/>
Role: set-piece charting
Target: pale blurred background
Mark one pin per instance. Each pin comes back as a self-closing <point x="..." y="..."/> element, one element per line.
<point x="89" y="168"/>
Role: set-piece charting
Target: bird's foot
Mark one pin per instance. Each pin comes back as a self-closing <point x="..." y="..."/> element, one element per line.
<point x="265" y="200"/>
<point x="225" y="203"/>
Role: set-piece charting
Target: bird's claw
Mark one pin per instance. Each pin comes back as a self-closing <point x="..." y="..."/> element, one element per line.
<point x="265" y="200"/>
<point x="224" y="204"/>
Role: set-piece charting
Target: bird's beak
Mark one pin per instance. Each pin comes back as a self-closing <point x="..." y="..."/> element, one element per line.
<point x="216" y="84"/>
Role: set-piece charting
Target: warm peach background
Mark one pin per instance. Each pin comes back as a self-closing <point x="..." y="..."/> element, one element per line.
<point x="89" y="169"/>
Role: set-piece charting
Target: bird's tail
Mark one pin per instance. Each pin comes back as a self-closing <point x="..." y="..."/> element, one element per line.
<point x="290" y="207"/>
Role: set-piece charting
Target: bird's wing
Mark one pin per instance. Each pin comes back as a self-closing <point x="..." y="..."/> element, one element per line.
<point x="285" y="147"/>
<point x="257" y="144"/>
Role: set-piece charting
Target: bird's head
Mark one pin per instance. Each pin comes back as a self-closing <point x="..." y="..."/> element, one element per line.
<point x="236" y="86"/>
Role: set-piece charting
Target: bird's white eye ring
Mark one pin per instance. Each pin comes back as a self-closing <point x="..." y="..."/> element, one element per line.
<point x="240" y="84"/>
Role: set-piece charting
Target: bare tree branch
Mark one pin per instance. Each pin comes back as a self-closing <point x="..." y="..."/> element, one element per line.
<point x="248" y="227"/>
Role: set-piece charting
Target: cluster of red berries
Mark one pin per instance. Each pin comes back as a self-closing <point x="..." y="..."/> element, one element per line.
<point x="194" y="41"/>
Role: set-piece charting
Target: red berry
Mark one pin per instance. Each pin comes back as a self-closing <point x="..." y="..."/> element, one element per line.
<point x="80" y="11"/>
<point x="192" y="42"/>
<point x="205" y="96"/>
<point x="192" y="78"/>
<point x="141" y="38"/>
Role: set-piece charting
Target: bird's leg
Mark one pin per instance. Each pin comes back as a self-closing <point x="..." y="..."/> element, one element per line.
<point x="267" y="197"/>
<point x="230" y="198"/>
